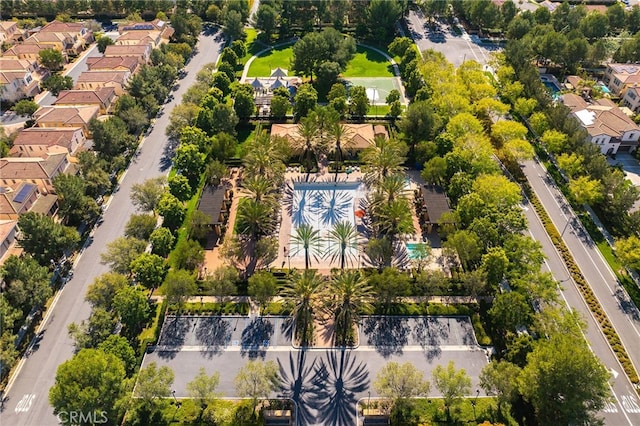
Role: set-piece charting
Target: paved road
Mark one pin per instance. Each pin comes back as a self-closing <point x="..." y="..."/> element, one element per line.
<point x="615" y="301"/>
<point x="441" y="38"/>
<point x="27" y="398"/>
<point x="625" y="410"/>
<point x="324" y="383"/>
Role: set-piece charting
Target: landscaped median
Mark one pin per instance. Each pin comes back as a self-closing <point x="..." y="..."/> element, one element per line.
<point x="585" y="289"/>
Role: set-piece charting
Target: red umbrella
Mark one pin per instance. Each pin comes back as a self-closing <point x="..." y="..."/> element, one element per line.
<point x="359" y="213"/>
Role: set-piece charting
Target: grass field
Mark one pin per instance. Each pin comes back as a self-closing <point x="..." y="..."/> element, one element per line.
<point x="278" y="57"/>
<point x="367" y="63"/>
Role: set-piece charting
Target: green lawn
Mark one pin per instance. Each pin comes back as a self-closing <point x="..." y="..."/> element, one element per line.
<point x="367" y="63"/>
<point x="251" y="44"/>
<point x="278" y="57"/>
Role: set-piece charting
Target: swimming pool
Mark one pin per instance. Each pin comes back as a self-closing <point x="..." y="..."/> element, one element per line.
<point x="551" y="86"/>
<point x="322" y="205"/>
<point x="412" y="249"/>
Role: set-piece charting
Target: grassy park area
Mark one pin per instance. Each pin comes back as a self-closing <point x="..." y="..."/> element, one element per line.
<point x="278" y="57"/>
<point x="367" y="63"/>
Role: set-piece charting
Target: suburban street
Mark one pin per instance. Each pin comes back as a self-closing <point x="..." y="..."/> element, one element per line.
<point x="26" y="396"/>
<point x="615" y="301"/>
<point x="625" y="409"/>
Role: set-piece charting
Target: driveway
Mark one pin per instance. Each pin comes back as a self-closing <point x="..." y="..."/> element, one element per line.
<point x="324" y="383"/>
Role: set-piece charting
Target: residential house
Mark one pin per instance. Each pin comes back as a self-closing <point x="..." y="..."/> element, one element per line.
<point x="157" y="24"/>
<point x="94" y="80"/>
<point x="132" y="38"/>
<point x="359" y="136"/>
<point x="620" y="77"/>
<point x="15" y="203"/>
<point x="115" y="63"/>
<point x="631" y="99"/>
<point x="9" y="31"/>
<point x="30" y="51"/>
<point x="16" y="85"/>
<point x="40" y="142"/>
<point x="15" y="64"/>
<point x="142" y="52"/>
<point x="103" y="98"/>
<point x="64" y="116"/>
<point x="73" y="35"/>
<point x="606" y="125"/>
<point x="15" y="171"/>
<point x="8" y="230"/>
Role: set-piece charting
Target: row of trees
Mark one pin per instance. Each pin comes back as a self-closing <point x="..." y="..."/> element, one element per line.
<point x="452" y="127"/>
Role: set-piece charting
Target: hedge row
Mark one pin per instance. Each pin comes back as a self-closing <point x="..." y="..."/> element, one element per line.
<point x="585" y="289"/>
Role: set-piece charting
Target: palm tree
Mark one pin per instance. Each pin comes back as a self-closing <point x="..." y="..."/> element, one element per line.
<point x="259" y="188"/>
<point x="255" y="219"/>
<point x="384" y="158"/>
<point x="265" y="156"/>
<point x="343" y="236"/>
<point x="348" y="294"/>
<point x="303" y="291"/>
<point x="341" y="137"/>
<point x="309" y="239"/>
<point x="389" y="189"/>
<point x="394" y="218"/>
<point x="309" y="141"/>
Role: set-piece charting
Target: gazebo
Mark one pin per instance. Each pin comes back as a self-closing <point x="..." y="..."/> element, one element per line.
<point x="256" y="84"/>
<point x="435" y="204"/>
<point x="279" y="73"/>
<point x="277" y="83"/>
<point x="213" y="203"/>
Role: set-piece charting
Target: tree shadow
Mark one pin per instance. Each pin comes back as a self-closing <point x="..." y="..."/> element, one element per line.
<point x="332" y="206"/>
<point x="427" y="331"/>
<point x="294" y="381"/>
<point x="387" y="334"/>
<point x="286" y="328"/>
<point x="627" y="305"/>
<point x="173" y="334"/>
<point x="214" y="333"/>
<point x="337" y="379"/>
<point x="256" y="338"/>
<point x="468" y="335"/>
<point x="166" y="161"/>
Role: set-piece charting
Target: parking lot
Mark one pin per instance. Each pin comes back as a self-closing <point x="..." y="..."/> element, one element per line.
<point x="324" y="383"/>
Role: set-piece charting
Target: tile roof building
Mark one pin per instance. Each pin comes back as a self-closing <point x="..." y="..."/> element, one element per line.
<point x="114" y="63"/>
<point x="40" y="142"/>
<point x="39" y="171"/>
<point x="141" y="52"/>
<point x="359" y="136"/>
<point x="620" y="77"/>
<point x="94" y="80"/>
<point x="607" y="126"/>
<point x="103" y="97"/>
<point x="63" y="116"/>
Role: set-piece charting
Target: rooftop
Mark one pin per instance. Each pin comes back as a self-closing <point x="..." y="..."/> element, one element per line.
<point x="103" y="76"/>
<point x="435" y="201"/>
<point x="78" y="97"/>
<point x="66" y="115"/>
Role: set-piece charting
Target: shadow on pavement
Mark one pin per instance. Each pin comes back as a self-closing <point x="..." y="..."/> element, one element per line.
<point x="256" y="338"/>
<point x="173" y="334"/>
<point x="428" y="333"/>
<point x="214" y="333"/>
<point x="388" y="334"/>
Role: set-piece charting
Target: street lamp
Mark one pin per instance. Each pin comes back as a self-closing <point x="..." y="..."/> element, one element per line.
<point x="178" y="403"/>
<point x="473" y="404"/>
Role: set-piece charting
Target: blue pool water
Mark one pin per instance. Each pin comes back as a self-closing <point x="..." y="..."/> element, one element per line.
<point x="411" y="248"/>
<point x="551" y="86"/>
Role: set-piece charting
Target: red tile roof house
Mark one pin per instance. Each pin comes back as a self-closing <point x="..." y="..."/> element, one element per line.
<point x="156" y="24"/>
<point x="76" y="36"/>
<point x="104" y="98"/>
<point x="8" y="229"/>
<point x="620" y="77"/>
<point x="133" y="38"/>
<point x="94" y="80"/>
<point x="40" y="142"/>
<point x="39" y="171"/>
<point x="62" y="116"/>
<point x="360" y="136"/>
<point x="606" y="125"/>
<point x="29" y="51"/>
<point x="142" y="52"/>
<point x="14" y="203"/>
<point x="16" y="85"/>
<point x="114" y="63"/>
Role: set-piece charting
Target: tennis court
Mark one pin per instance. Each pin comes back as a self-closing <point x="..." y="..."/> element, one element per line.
<point x="378" y="87"/>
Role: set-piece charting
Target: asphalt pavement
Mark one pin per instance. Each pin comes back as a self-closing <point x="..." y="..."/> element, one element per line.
<point x="441" y="37"/>
<point x="624" y="409"/>
<point x="325" y="384"/>
<point x="26" y="398"/>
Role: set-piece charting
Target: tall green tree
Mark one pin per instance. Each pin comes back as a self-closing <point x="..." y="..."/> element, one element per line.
<point x="453" y="384"/>
<point x="400" y="381"/>
<point x="75" y="206"/>
<point x="257" y="380"/>
<point x="178" y="286"/>
<point x="348" y="295"/>
<point x="343" y="242"/>
<point x="262" y="287"/>
<point x="121" y="252"/>
<point x="153" y="385"/>
<point x="45" y="239"/>
<point x="500" y="379"/>
<point x="303" y="291"/>
<point x="26" y="283"/>
<point x="308" y="240"/>
<point x="146" y="195"/>
<point x="203" y="388"/>
<point x="103" y="289"/>
<point x="91" y="382"/>
<point x="51" y="59"/>
<point x="564" y="381"/>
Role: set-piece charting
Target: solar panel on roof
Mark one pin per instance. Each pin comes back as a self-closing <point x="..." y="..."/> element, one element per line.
<point x="22" y="194"/>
